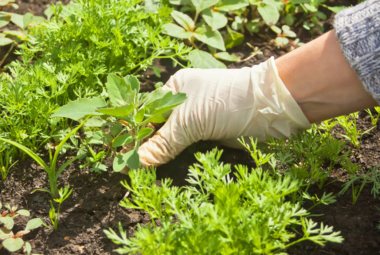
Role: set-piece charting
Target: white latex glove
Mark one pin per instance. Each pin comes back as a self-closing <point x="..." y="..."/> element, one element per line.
<point x="224" y="105"/>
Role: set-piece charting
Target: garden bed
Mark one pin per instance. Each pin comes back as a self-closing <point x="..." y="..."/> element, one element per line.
<point x="94" y="203"/>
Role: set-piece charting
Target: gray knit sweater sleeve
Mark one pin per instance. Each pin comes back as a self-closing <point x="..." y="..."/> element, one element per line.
<point x="358" y="30"/>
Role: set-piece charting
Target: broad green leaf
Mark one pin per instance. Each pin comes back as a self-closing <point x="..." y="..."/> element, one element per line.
<point x="118" y="111"/>
<point x="200" y="5"/>
<point x="13" y="244"/>
<point x="252" y="26"/>
<point x="227" y="56"/>
<point x="237" y="24"/>
<point x="179" y="2"/>
<point x="5" y="41"/>
<point x="282" y="40"/>
<point x="19" y="34"/>
<point x="122" y="140"/>
<point x="38" y="19"/>
<point x="158" y="118"/>
<point x="34" y="223"/>
<point x="276" y="29"/>
<point x="154" y="99"/>
<point x="233" y="38"/>
<point x="80" y="108"/>
<point x="140" y="115"/>
<point x="278" y="3"/>
<point x="29" y="152"/>
<point x="287" y="32"/>
<point x="212" y="38"/>
<point x="5" y="233"/>
<point x="230" y="5"/>
<point x="335" y="9"/>
<point x="215" y="20"/>
<point x="130" y="159"/>
<point x="300" y="1"/>
<point x="95" y="121"/>
<point x="269" y="13"/>
<point x="204" y="60"/>
<point x="17" y="19"/>
<point x="133" y="81"/>
<point x="27" y="18"/>
<point x="143" y="133"/>
<point x="311" y="8"/>
<point x="119" y="91"/>
<point x="8" y="222"/>
<point x="24" y="212"/>
<point x="289" y="19"/>
<point x="28" y="248"/>
<point x="176" y="31"/>
<point x="183" y="19"/>
<point x="4" y="20"/>
<point x="115" y="129"/>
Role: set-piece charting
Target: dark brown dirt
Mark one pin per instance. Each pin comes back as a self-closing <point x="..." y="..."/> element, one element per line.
<point x="93" y="205"/>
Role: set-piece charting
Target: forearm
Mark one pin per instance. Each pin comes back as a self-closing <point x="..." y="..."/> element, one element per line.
<point x="321" y="81"/>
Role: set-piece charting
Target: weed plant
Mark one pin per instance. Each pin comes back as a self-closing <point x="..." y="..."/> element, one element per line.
<point x="70" y="55"/>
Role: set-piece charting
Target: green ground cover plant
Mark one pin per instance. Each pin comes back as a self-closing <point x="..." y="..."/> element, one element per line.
<point x="218" y="213"/>
<point x="70" y="55"/>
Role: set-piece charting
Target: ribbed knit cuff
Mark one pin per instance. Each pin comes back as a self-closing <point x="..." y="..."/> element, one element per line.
<point x="358" y="31"/>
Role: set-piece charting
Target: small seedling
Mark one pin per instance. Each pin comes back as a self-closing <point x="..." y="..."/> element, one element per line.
<point x="373" y="119"/>
<point x="283" y="34"/>
<point x="63" y="195"/>
<point x="352" y="133"/>
<point x="13" y="242"/>
<point x="325" y="199"/>
<point x="51" y="171"/>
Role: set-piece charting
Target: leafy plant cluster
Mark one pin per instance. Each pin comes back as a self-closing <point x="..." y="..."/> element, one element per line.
<point x="13" y="242"/>
<point x="219" y="213"/>
<point x="69" y="56"/>
<point x="204" y="22"/>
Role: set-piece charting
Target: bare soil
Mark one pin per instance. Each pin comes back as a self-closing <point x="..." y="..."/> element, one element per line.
<point x="94" y="203"/>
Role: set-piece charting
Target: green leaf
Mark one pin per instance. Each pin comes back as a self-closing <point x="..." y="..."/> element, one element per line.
<point x="28" y="248"/>
<point x="118" y="111"/>
<point x="179" y="2"/>
<point x="5" y="233"/>
<point x="27" y="18"/>
<point x="140" y="115"/>
<point x="278" y="3"/>
<point x="4" y="20"/>
<point x="287" y="32"/>
<point x="269" y="13"/>
<point x="24" y="212"/>
<point x="233" y="38"/>
<point x="34" y="223"/>
<point x="204" y="60"/>
<point x="200" y="5"/>
<point x="65" y="165"/>
<point x="133" y="81"/>
<point x="5" y="41"/>
<point x="8" y="222"/>
<point x="282" y="40"/>
<point x="122" y="140"/>
<point x="115" y="129"/>
<point x="311" y="8"/>
<point x="17" y="19"/>
<point x="119" y="90"/>
<point x="227" y="57"/>
<point x="176" y="31"/>
<point x="130" y="159"/>
<point x="143" y="133"/>
<point x="19" y="34"/>
<point x="252" y="26"/>
<point x="336" y="9"/>
<point x="183" y="19"/>
<point x="80" y="108"/>
<point x="289" y="19"/>
<point x="29" y="152"/>
<point x="230" y="5"/>
<point x="212" y="38"/>
<point x="237" y="24"/>
<point x="276" y="29"/>
<point x="215" y="20"/>
<point x="13" y="244"/>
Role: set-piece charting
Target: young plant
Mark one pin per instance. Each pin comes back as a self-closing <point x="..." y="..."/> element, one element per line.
<point x="283" y="34"/>
<point x="325" y="199"/>
<point x="216" y="214"/>
<point x="63" y="195"/>
<point x="13" y="242"/>
<point x="50" y="170"/>
<point x="6" y="162"/>
<point x="6" y="217"/>
<point x="129" y="107"/>
<point x="373" y="119"/>
<point x="352" y="133"/>
<point x="372" y="176"/>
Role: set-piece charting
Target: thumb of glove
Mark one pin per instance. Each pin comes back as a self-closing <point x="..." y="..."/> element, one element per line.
<point x="166" y="144"/>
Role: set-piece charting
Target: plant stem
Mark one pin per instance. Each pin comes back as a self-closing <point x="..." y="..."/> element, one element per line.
<point x="6" y="55"/>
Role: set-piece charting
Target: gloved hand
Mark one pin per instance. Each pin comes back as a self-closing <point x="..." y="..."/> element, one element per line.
<point x="224" y="105"/>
